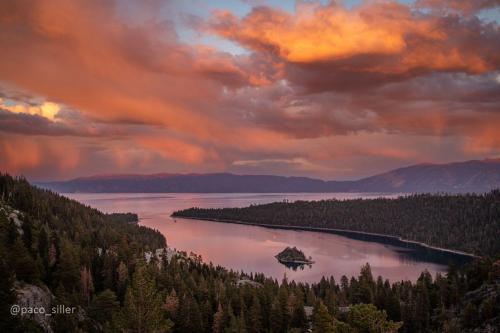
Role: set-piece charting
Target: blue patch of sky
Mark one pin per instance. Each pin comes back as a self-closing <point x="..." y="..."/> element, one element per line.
<point x="204" y="9"/>
<point x="240" y="8"/>
<point x="491" y="15"/>
<point x="9" y="102"/>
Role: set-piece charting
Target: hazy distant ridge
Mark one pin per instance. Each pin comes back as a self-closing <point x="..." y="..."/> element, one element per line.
<point x="469" y="176"/>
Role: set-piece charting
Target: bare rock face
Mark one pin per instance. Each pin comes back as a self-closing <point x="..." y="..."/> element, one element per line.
<point x="158" y="254"/>
<point x="487" y="300"/>
<point x="248" y="282"/>
<point x="31" y="297"/>
<point x="14" y="216"/>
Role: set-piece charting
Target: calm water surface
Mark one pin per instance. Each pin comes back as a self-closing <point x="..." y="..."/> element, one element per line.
<point x="251" y="248"/>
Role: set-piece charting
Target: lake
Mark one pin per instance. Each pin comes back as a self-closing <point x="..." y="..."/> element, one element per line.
<point x="252" y="248"/>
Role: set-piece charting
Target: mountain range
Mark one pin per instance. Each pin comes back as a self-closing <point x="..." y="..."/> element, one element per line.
<point x="459" y="177"/>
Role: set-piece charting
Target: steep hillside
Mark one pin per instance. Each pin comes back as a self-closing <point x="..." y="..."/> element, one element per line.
<point x="470" y="176"/>
<point x="55" y="252"/>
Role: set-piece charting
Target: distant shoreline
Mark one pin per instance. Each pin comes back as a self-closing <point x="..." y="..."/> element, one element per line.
<point x="341" y="232"/>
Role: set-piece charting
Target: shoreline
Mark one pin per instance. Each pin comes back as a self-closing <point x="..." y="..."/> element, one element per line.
<point x="341" y="232"/>
<point x="296" y="262"/>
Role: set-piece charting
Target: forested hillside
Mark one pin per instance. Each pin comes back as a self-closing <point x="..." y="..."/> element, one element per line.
<point x="469" y="223"/>
<point x="97" y="264"/>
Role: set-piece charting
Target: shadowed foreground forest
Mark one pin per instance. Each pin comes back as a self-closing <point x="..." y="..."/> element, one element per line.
<point x="121" y="277"/>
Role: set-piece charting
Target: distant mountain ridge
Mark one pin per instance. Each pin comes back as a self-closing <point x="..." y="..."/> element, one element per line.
<point x="458" y="177"/>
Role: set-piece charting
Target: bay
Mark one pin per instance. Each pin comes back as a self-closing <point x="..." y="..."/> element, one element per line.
<point x="252" y="248"/>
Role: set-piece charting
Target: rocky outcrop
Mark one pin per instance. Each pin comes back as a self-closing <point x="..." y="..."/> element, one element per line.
<point x="13" y="215"/>
<point x="485" y="302"/>
<point x="31" y="297"/>
<point x="159" y="253"/>
<point x="248" y="282"/>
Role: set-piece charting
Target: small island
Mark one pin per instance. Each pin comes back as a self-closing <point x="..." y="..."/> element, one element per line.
<point x="293" y="257"/>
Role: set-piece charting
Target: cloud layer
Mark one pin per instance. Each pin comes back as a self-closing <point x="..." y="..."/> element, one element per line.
<point x="93" y="86"/>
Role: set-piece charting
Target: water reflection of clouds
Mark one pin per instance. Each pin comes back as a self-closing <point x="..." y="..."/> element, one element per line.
<point x="275" y="244"/>
<point x="252" y="248"/>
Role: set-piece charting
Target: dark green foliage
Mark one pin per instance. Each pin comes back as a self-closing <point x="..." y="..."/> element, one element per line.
<point x="23" y="263"/>
<point x="298" y="318"/>
<point x="123" y="217"/>
<point x="366" y="318"/>
<point x="469" y="223"/>
<point x="72" y="220"/>
<point x="142" y="310"/>
<point x="322" y="322"/>
<point x="255" y="316"/>
<point x="104" y="306"/>
<point x="8" y="323"/>
<point x="97" y="265"/>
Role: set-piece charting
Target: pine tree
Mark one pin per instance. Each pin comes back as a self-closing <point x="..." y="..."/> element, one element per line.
<point x="171" y="305"/>
<point x="109" y="268"/>
<point x="242" y="322"/>
<point x="367" y="318"/>
<point x="322" y="321"/>
<point x="143" y="306"/>
<point x="331" y="301"/>
<point x="24" y="265"/>
<point x="218" y="325"/>
<point x="86" y="284"/>
<point x="299" y="318"/>
<point x="63" y="322"/>
<point x="422" y="307"/>
<point x="104" y="306"/>
<point x="310" y="298"/>
<point x="189" y="319"/>
<point x="236" y="324"/>
<point x="8" y="323"/>
<point x="364" y="293"/>
<point x="283" y="303"/>
<point x="122" y="278"/>
<point x="255" y="316"/>
<point x="43" y="245"/>
<point x="276" y="317"/>
<point x="67" y="269"/>
<point x="233" y="324"/>
<point x="52" y="255"/>
<point x="206" y="315"/>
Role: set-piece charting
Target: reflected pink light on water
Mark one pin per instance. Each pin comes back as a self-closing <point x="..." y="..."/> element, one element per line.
<point x="251" y="248"/>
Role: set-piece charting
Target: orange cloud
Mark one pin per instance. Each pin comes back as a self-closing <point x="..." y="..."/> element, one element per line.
<point x="80" y="54"/>
<point x="313" y="34"/>
<point x="47" y="109"/>
<point x="323" y="90"/>
<point x="397" y="39"/>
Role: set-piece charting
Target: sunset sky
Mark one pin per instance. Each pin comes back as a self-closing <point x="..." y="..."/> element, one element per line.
<point x="334" y="90"/>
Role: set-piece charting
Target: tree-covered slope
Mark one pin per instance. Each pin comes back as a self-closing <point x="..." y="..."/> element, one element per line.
<point x="469" y="223"/>
<point x="75" y="256"/>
